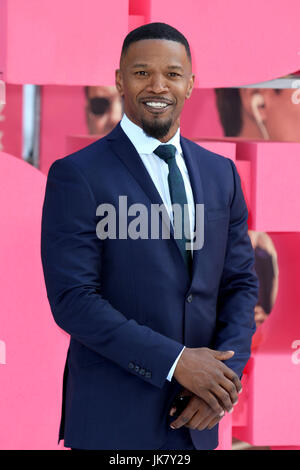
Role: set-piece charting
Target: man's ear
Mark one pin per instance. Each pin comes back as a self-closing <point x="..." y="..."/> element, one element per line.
<point x="190" y="86"/>
<point x="119" y="82"/>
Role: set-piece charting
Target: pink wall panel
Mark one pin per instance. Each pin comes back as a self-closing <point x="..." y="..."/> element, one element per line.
<point x="234" y="43"/>
<point x="226" y="149"/>
<point x="244" y="170"/>
<point x="225" y="433"/>
<point x="273" y="405"/>
<point x="3" y="36"/>
<point x="276" y="190"/>
<point x="70" y="42"/>
<point x="38" y="36"/>
<point x="11" y="121"/>
<point x="135" y="21"/>
<point x="200" y="118"/>
<point x="33" y="348"/>
<point x="62" y="113"/>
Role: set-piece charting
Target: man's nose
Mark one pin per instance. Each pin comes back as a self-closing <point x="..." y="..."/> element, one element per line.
<point x="158" y="83"/>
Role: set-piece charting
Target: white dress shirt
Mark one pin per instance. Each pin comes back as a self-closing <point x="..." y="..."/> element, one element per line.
<point x="158" y="170"/>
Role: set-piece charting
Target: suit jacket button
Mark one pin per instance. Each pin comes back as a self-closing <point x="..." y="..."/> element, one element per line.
<point x="137" y="368"/>
<point x="190" y="298"/>
<point x="142" y="371"/>
<point x="148" y="375"/>
<point x="131" y="365"/>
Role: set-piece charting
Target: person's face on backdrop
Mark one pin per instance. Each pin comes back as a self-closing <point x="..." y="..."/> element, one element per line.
<point x="103" y="109"/>
<point x="155" y="78"/>
<point x="280" y="114"/>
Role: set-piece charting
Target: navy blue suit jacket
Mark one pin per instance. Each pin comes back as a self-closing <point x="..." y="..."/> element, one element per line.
<point x="130" y="305"/>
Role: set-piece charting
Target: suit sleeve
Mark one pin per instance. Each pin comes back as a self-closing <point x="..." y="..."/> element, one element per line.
<point x="71" y="257"/>
<point x="238" y="289"/>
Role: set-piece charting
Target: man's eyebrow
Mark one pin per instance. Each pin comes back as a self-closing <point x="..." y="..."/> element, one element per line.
<point x="175" y="67"/>
<point x="170" y="67"/>
<point x="136" y="66"/>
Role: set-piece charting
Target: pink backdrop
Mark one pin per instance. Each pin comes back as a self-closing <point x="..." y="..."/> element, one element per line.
<point x="236" y="43"/>
<point x="11" y="121"/>
<point x="233" y="44"/>
<point x="40" y="37"/>
<point x="62" y="113"/>
<point x="32" y="347"/>
<point x="225" y="37"/>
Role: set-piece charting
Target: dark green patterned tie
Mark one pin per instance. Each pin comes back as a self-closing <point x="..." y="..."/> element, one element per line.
<point x="167" y="153"/>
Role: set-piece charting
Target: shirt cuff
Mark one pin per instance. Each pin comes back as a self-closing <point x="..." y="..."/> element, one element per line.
<point x="171" y="372"/>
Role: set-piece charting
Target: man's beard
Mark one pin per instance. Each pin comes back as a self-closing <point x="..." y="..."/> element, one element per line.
<point x="156" y="129"/>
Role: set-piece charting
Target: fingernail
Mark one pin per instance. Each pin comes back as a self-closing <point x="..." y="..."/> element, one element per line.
<point x="235" y="403"/>
<point x="241" y="390"/>
<point x="222" y="413"/>
<point x="173" y="427"/>
<point x="230" y="411"/>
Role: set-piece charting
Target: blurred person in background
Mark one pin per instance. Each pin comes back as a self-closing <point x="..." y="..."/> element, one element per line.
<point x="260" y="113"/>
<point x="266" y="267"/>
<point x="103" y="109"/>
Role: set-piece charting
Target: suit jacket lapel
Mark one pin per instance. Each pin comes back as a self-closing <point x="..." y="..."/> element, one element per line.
<point x="125" y="150"/>
<point x="194" y="170"/>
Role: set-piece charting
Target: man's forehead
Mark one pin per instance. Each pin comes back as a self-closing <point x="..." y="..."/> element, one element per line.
<point x="151" y="52"/>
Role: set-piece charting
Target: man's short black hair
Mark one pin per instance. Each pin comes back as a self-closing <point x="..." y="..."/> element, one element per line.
<point x="155" y="31"/>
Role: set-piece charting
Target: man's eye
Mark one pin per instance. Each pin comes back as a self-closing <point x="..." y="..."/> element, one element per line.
<point x="174" y="74"/>
<point x="141" y="72"/>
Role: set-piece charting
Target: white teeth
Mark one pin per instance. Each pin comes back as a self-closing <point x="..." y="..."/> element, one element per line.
<point x="156" y="104"/>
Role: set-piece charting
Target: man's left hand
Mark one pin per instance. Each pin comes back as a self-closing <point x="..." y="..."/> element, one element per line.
<point x="196" y="415"/>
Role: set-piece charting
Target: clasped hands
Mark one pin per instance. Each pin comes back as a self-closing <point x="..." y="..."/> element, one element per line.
<point x="213" y="387"/>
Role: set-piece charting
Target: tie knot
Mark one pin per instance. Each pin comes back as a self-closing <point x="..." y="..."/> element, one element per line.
<point x="166" y="152"/>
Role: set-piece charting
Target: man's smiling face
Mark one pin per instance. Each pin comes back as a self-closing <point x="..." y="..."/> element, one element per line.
<point x="155" y="78"/>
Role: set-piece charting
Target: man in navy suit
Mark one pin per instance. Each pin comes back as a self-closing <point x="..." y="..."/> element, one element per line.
<point x="151" y="319"/>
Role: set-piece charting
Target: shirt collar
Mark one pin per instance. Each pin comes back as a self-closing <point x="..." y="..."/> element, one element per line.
<point x="143" y="143"/>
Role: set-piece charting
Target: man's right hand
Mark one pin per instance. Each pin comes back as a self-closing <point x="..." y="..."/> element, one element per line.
<point x="202" y="371"/>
